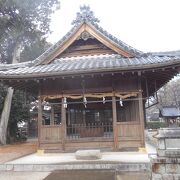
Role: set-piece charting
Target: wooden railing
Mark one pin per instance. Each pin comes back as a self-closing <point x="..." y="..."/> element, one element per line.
<point x="126" y="131"/>
<point x="76" y="131"/>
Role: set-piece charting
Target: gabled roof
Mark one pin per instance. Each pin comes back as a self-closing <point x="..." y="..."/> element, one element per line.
<point x="86" y="22"/>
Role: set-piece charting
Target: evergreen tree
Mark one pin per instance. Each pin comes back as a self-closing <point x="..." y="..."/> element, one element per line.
<point x="24" y="26"/>
<point x="23" y="23"/>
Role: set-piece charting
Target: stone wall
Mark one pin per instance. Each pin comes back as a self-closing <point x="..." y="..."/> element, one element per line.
<point x="166" y="164"/>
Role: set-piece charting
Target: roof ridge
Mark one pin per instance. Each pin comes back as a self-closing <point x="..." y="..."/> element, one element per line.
<point x="85" y="15"/>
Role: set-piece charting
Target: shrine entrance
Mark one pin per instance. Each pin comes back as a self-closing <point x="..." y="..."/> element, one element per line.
<point x="89" y="119"/>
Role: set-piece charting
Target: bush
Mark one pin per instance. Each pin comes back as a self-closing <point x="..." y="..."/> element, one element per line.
<point x="156" y="125"/>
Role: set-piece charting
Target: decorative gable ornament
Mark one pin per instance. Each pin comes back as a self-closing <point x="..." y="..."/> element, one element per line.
<point x="85" y="36"/>
<point x="85" y="15"/>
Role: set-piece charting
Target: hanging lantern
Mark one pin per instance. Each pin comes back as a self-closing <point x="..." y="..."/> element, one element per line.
<point x="104" y="100"/>
<point x="120" y="102"/>
<point x="85" y="101"/>
<point x="65" y="102"/>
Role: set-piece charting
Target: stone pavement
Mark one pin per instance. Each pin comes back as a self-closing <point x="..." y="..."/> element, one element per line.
<point x="23" y="175"/>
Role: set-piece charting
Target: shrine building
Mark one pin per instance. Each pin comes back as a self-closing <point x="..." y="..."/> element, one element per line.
<point x="91" y="88"/>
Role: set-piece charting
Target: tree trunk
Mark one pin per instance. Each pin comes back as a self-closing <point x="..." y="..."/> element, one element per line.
<point x="7" y="103"/>
<point x="5" y="115"/>
<point x="16" y="53"/>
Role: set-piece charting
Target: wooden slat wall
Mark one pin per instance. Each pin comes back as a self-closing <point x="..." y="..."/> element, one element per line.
<point x="129" y="131"/>
<point x="51" y="133"/>
<point x="89" y="47"/>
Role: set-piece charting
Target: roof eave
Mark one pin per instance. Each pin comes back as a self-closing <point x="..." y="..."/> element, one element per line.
<point x="89" y="71"/>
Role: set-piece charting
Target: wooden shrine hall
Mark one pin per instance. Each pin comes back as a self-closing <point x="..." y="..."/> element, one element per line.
<point x="91" y="88"/>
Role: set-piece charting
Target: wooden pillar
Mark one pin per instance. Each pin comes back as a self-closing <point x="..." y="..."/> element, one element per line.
<point x="115" y="130"/>
<point x="63" y="124"/>
<point x="39" y="119"/>
<point x="141" y="112"/>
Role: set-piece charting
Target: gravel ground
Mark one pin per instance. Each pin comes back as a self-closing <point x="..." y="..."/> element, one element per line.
<point x="14" y="151"/>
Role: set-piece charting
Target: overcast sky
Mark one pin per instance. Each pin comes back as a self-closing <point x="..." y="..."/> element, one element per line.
<point x="147" y="25"/>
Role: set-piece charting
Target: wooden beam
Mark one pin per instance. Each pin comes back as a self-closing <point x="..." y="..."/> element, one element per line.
<point x="141" y="112"/>
<point x="63" y="123"/>
<point x="115" y="130"/>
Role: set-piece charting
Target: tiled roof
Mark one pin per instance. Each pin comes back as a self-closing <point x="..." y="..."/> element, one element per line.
<point x="170" y="112"/>
<point x="89" y="64"/>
